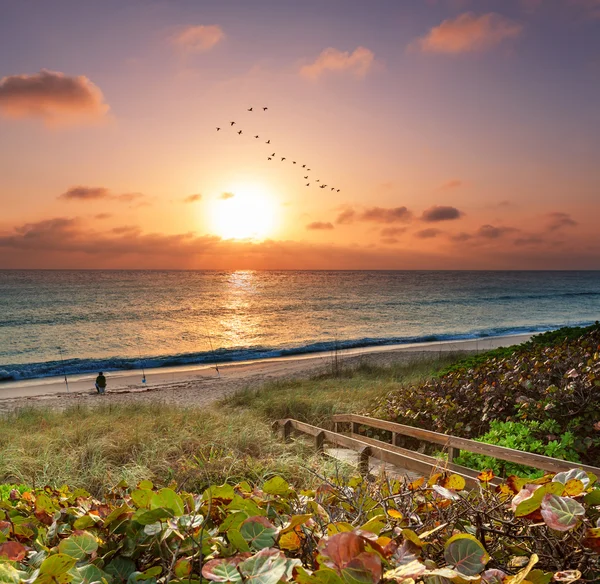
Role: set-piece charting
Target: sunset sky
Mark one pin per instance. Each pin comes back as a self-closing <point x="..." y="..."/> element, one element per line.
<point x="461" y="134"/>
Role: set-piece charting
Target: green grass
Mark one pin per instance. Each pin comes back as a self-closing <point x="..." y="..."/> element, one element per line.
<point x="95" y="448"/>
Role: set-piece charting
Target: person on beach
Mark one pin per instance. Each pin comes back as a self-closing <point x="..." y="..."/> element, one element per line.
<point x="100" y="383"/>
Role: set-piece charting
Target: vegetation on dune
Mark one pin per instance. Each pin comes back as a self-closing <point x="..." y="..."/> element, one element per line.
<point x="355" y="532"/>
<point x="550" y="386"/>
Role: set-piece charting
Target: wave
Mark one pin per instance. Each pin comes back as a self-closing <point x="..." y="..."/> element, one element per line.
<point x="86" y="366"/>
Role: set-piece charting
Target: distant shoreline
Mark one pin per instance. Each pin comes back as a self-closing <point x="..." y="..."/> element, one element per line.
<point x="234" y="375"/>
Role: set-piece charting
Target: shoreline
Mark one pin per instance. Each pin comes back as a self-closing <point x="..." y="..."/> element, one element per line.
<point x="204" y="385"/>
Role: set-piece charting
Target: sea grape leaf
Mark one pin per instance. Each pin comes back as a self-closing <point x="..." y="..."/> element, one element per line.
<point x="10" y="575"/>
<point x="78" y="546"/>
<point x="167" y="499"/>
<point x="338" y="527"/>
<point x="224" y="492"/>
<point x="593" y="497"/>
<point x="493" y="577"/>
<point x="466" y="554"/>
<point x="295" y="521"/>
<point x="265" y="567"/>
<point x="374" y="525"/>
<point x="341" y="548"/>
<point x="141" y="498"/>
<point x="412" y="570"/>
<point x="364" y="569"/>
<point x="567" y="576"/>
<point x="85" y="521"/>
<point x="237" y="541"/>
<point x="223" y="569"/>
<point x="445" y="493"/>
<point x="258" y="532"/>
<point x="532" y="503"/>
<point x="561" y="513"/>
<point x="182" y="568"/>
<point x="289" y="541"/>
<point x="149" y="517"/>
<point x="276" y="486"/>
<point x="234" y="519"/>
<point x="539" y="577"/>
<point x="121" y="568"/>
<point x="486" y="476"/>
<point x="145" y="485"/>
<point x="116" y="514"/>
<point x="574" y="487"/>
<point x="88" y="574"/>
<point x="574" y="473"/>
<point x="13" y="551"/>
<point x="454" y="482"/>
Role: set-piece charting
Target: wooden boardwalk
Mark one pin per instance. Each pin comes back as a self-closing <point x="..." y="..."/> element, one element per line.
<point x="374" y="456"/>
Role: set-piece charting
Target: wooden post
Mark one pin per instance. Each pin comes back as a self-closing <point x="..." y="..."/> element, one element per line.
<point x="319" y="441"/>
<point x="453" y="453"/>
<point x="363" y="460"/>
<point x="394" y="439"/>
<point x="287" y="430"/>
<point x="336" y="427"/>
<point x="355" y="427"/>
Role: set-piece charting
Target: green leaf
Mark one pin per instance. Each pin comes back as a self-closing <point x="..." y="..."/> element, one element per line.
<point x="593" y="497"/>
<point x="276" y="486"/>
<point x="539" y="577"/>
<point x="57" y="565"/>
<point x="182" y="568"/>
<point x="237" y="541"/>
<point x="78" y="546"/>
<point x="88" y="574"/>
<point x="258" y="532"/>
<point x="561" y="513"/>
<point x="10" y="575"/>
<point x="141" y="498"/>
<point x="224" y="492"/>
<point x="145" y="485"/>
<point x="168" y="499"/>
<point x="148" y="517"/>
<point x="466" y="554"/>
<point x="222" y="570"/>
<point x="84" y="522"/>
<point x="266" y="567"/>
<point x="121" y="568"/>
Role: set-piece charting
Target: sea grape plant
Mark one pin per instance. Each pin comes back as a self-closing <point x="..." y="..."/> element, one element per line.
<point x="430" y="531"/>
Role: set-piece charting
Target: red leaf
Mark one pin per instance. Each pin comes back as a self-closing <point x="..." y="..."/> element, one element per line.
<point x="342" y="548"/>
<point x="13" y="551"/>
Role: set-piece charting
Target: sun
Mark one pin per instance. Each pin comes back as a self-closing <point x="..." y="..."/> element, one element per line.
<point x="245" y="212"/>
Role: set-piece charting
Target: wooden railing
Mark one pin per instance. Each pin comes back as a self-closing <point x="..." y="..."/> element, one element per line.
<point x="367" y="447"/>
<point x="454" y="444"/>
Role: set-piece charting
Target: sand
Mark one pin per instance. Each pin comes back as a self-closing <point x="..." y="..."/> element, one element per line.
<point x="201" y="385"/>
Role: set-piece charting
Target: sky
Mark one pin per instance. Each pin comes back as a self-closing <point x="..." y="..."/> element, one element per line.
<point x="450" y="134"/>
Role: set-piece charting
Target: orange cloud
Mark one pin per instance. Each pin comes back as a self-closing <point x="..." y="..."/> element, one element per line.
<point x="392" y="231"/>
<point x="198" y="39"/>
<point x="52" y="97"/>
<point x="375" y="215"/>
<point x="428" y="233"/>
<point x="225" y="196"/>
<point x="558" y="220"/>
<point x="192" y="199"/>
<point x="81" y="193"/>
<point x="441" y="213"/>
<point x="320" y="226"/>
<point x="357" y="64"/>
<point x="469" y="33"/>
<point x="451" y="184"/>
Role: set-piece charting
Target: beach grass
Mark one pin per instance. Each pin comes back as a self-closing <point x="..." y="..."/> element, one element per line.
<point x="95" y="448"/>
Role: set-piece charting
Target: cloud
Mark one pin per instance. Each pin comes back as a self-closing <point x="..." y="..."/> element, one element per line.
<point x="101" y="216"/>
<point x="357" y="64"/>
<point x="428" y="233"/>
<point x="461" y="237"/>
<point x="346" y="217"/>
<point x="491" y="232"/>
<point x="52" y="97"/>
<point x="469" y="33"/>
<point x="320" y="226"/>
<point x="451" y="184"/>
<point x="383" y="215"/>
<point x="81" y="193"/>
<point x="198" y="39"/>
<point x="441" y="213"/>
<point x="225" y="196"/>
<point x="192" y="199"/>
<point x="392" y="231"/>
<point x="558" y="220"/>
<point x="529" y="240"/>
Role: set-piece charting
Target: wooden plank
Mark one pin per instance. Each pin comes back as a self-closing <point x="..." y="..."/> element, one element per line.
<point x="409" y="462"/>
<point x="376" y="467"/>
<point x="500" y="452"/>
<point x="442" y="466"/>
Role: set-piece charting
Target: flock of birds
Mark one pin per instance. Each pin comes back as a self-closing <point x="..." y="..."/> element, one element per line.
<point x="283" y="158"/>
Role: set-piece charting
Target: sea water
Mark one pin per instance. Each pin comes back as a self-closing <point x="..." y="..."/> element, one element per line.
<point x="52" y="322"/>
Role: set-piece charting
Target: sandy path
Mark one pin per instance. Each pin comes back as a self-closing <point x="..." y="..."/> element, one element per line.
<point x="199" y="386"/>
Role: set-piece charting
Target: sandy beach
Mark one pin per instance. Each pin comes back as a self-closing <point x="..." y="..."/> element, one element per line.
<point x="201" y="385"/>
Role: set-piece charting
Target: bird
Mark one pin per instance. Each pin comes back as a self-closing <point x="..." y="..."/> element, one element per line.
<point x="256" y="136"/>
<point x="318" y="180"/>
<point x="273" y="154"/>
<point x="307" y="184"/>
<point x="304" y="166"/>
<point x="268" y="142"/>
<point x="218" y="129"/>
<point x="269" y="158"/>
<point x="322" y="187"/>
<point x="249" y="109"/>
<point x="265" y="109"/>
<point x="232" y="123"/>
<point x="283" y="158"/>
<point x="333" y="188"/>
<point x="294" y="162"/>
<point x="240" y="132"/>
<point x="308" y="170"/>
<point x="306" y="176"/>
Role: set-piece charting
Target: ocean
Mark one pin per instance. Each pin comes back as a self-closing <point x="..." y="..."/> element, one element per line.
<point x="56" y="322"/>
